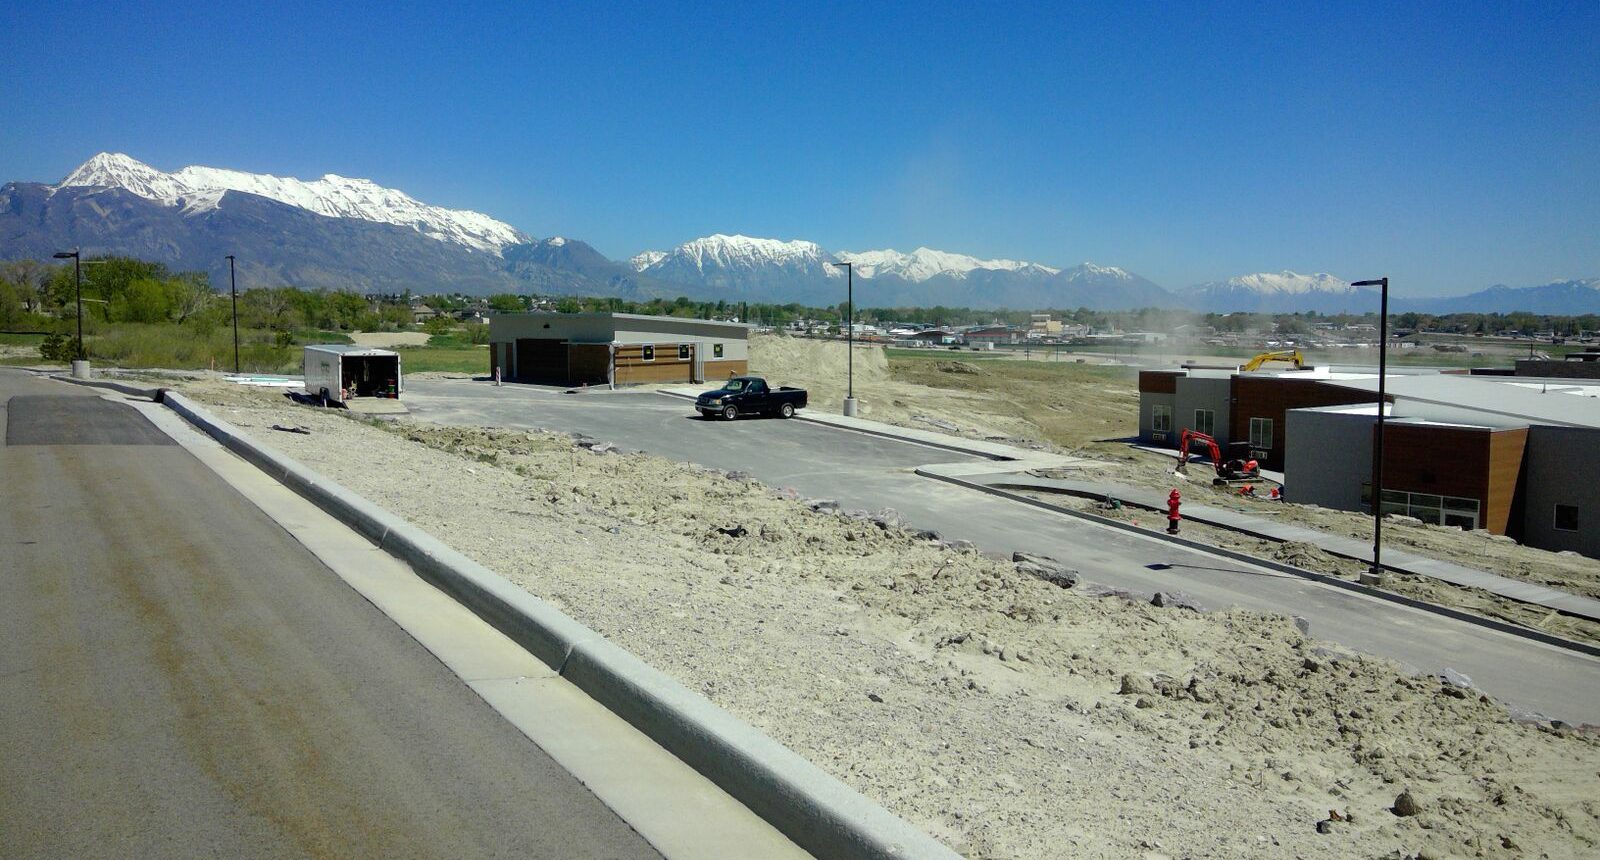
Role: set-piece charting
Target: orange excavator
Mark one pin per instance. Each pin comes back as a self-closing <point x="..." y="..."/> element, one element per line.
<point x="1227" y="470"/>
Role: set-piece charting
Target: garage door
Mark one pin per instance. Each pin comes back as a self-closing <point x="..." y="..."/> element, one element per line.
<point x="542" y="360"/>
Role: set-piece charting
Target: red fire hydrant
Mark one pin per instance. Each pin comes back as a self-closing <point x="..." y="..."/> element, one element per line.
<point x="1172" y="512"/>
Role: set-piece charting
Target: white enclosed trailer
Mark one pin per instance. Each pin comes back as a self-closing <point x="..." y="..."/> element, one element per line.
<point x="341" y="372"/>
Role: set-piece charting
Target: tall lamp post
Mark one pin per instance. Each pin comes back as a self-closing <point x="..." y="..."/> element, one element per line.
<point x="849" y="338"/>
<point x="1374" y="574"/>
<point x="233" y="286"/>
<point x="80" y="363"/>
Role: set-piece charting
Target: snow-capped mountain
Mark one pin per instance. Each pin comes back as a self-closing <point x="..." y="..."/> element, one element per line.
<point x="925" y="263"/>
<point x="200" y="189"/>
<point x="1282" y="292"/>
<point x="743" y="268"/>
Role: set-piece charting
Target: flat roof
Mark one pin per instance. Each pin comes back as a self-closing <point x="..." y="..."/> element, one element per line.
<point x="613" y="316"/>
<point x="1492" y="396"/>
<point x="350" y="349"/>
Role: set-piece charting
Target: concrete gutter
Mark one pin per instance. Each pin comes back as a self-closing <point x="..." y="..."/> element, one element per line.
<point x="940" y="474"/>
<point x="818" y="812"/>
<point x="123" y="387"/>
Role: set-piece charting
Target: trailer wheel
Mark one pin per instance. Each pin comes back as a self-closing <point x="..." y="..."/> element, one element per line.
<point x="729" y="413"/>
<point x="786" y="410"/>
<point x="322" y="397"/>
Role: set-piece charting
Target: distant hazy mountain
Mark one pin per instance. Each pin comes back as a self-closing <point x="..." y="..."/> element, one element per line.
<point x="1571" y="298"/>
<point x="1282" y="292"/>
<point x="571" y="267"/>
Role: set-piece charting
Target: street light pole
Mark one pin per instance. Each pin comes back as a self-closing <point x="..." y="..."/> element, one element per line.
<point x="849" y="338"/>
<point x="233" y="286"/>
<point x="76" y="255"/>
<point x="1374" y="574"/>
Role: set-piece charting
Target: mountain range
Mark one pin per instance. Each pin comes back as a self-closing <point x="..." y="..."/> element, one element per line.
<point x="340" y="232"/>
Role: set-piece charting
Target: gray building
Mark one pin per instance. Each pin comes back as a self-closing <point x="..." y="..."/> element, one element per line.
<point x="616" y="349"/>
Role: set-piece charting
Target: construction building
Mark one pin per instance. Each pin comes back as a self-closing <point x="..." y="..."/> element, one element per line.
<point x="1514" y="455"/>
<point x="615" y="349"/>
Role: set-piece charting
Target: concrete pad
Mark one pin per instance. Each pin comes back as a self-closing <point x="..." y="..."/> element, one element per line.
<point x="631" y="773"/>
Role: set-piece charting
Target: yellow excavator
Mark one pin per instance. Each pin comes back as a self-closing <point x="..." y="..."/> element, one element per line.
<point x="1292" y="356"/>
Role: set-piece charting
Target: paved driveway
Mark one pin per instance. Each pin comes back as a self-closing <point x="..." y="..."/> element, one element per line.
<point x="181" y="678"/>
<point x="870" y="472"/>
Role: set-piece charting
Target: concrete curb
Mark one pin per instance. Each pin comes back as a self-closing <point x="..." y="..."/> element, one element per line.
<point x="818" y="812"/>
<point x="124" y="388"/>
<point x="1459" y="615"/>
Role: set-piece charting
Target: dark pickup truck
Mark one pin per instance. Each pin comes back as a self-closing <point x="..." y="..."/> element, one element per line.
<point x="750" y="395"/>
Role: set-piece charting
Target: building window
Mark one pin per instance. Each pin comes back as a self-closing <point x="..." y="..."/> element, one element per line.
<point x="1161" y="418"/>
<point x="683" y="352"/>
<point x="648" y="351"/>
<point x="1205" y="421"/>
<point x="1432" y="509"/>
<point x="1566" y="518"/>
<point x="1261" y="433"/>
<point x="716" y="350"/>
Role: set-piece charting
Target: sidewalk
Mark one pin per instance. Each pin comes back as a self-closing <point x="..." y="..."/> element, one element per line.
<point x="1394" y="559"/>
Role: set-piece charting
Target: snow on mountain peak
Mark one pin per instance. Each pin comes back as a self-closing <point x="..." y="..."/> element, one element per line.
<point x="925" y="263"/>
<point x="721" y="251"/>
<point x="1086" y="271"/>
<point x="645" y="259"/>
<point x="199" y="188"/>
<point x="1282" y="283"/>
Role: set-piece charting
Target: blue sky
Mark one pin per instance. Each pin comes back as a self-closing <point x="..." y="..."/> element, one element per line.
<point x="1448" y="145"/>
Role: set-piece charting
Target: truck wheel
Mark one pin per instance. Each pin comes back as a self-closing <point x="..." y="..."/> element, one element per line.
<point x="729" y="413"/>
<point x="786" y="410"/>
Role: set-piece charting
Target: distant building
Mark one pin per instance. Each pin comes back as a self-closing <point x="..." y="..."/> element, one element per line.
<point x="1043" y="325"/>
<point x="617" y="349"/>
<point x="1577" y="365"/>
<point x="992" y="335"/>
<point x="1515" y="455"/>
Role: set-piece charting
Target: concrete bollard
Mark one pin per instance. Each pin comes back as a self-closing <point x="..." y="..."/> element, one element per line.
<point x="850" y="407"/>
<point x="80" y="369"/>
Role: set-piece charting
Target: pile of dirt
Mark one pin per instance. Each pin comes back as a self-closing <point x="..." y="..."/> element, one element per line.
<point x="1006" y="714"/>
<point x="956" y="367"/>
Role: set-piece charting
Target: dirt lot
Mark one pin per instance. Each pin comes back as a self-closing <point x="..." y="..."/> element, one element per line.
<point x="1007" y="715"/>
<point x="1088" y="410"/>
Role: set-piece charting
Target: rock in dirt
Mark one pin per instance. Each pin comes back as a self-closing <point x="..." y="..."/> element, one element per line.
<point x="961" y="545"/>
<point x="1135" y="685"/>
<point x="734" y="532"/>
<point x="1095" y="589"/>
<point x="1046" y="568"/>
<point x="1405" y="805"/>
<point x="1176" y="600"/>
<point x="1457" y="679"/>
<point x="956" y="367"/>
<point x="822" y="505"/>
<point x="295" y="429"/>
<point x="1325" y="826"/>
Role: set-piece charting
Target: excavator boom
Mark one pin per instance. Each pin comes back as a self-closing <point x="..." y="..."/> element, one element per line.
<point x="1292" y="356"/>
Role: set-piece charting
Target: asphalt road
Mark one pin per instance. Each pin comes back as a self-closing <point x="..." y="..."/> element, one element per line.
<point x="181" y="678"/>
<point x="870" y="472"/>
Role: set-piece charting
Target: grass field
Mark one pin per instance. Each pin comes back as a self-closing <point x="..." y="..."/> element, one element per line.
<point x="132" y="345"/>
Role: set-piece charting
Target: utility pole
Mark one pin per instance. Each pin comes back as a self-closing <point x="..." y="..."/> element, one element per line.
<point x="1374" y="574"/>
<point x="233" y="286"/>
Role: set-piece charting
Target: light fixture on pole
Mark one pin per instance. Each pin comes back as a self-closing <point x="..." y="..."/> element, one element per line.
<point x="233" y="287"/>
<point x="80" y="363"/>
<point x="849" y="338"/>
<point x="1374" y="574"/>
